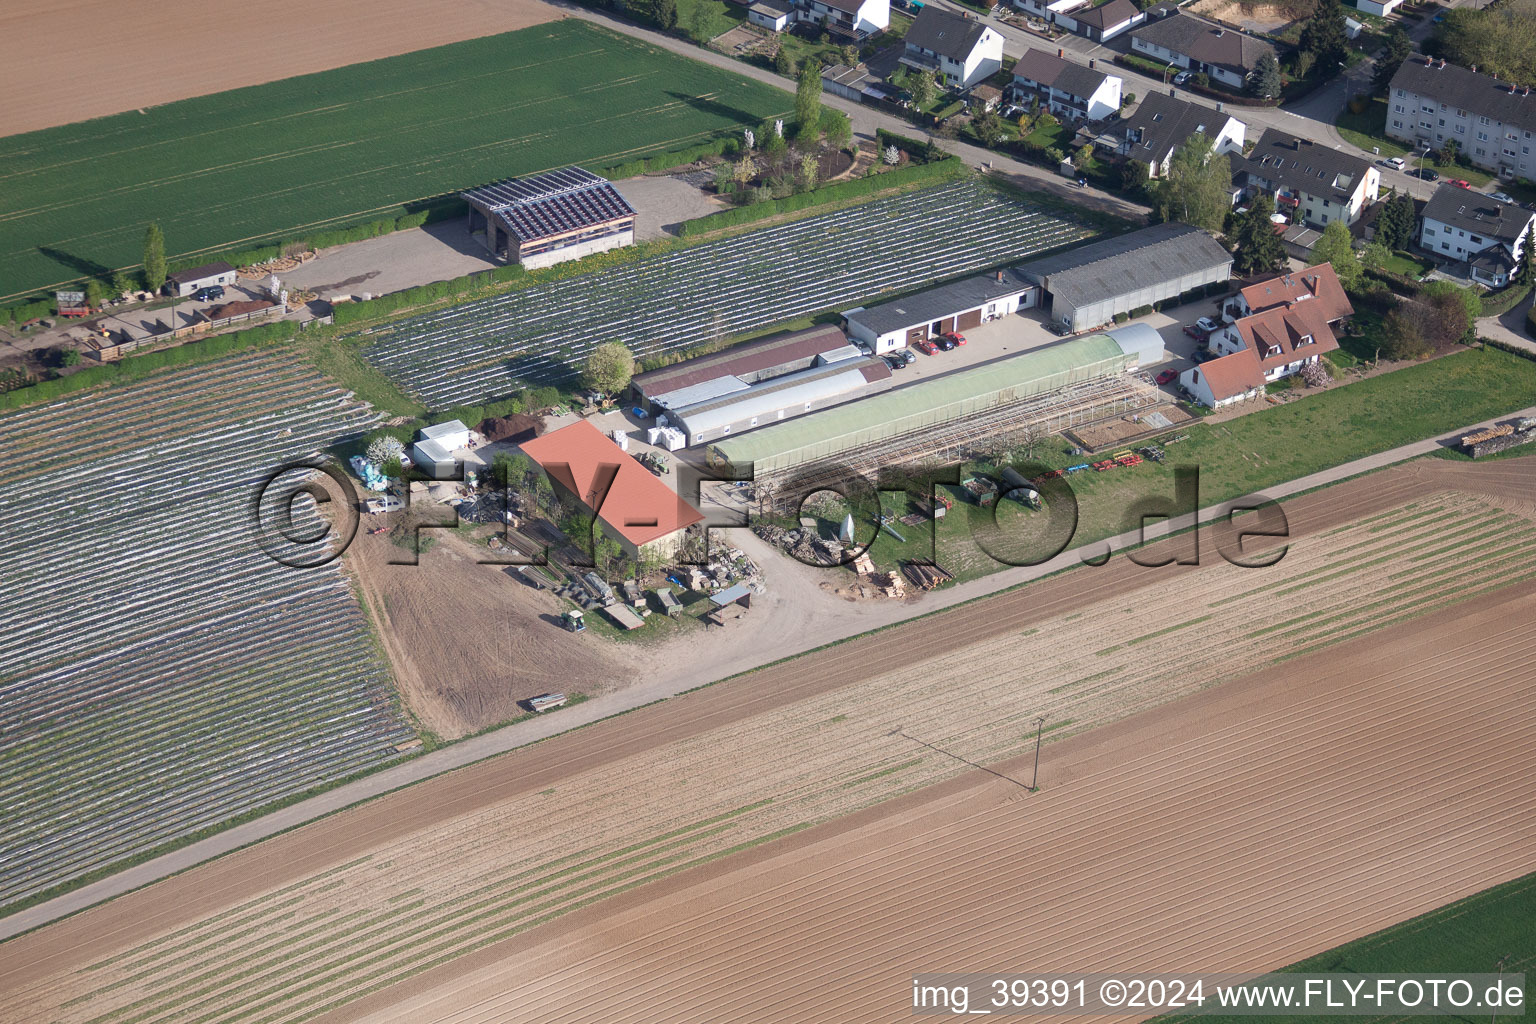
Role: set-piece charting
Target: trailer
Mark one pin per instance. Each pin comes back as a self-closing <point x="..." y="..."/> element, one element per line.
<point x="536" y="577"/>
<point x="981" y="490"/>
<point x="545" y="701"/>
<point x="623" y="616"/>
<point x="668" y="602"/>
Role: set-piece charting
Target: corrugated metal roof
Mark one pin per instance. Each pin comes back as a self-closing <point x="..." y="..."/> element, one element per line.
<point x="791" y="392"/>
<point x="1141" y="259"/>
<point x="745" y="360"/>
<point x="448" y="428"/>
<point x="937" y="303"/>
<point x="903" y="410"/>
<point x="703" y="391"/>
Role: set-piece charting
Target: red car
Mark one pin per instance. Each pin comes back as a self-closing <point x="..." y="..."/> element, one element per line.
<point x="1167" y="376"/>
<point x="1460" y="182"/>
<point x="954" y="336"/>
<point x="925" y="346"/>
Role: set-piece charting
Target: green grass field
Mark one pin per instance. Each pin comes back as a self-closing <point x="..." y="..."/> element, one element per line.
<point x="1469" y="935"/>
<point x="356" y="143"/>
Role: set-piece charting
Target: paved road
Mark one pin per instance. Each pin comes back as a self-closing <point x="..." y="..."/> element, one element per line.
<point x="523" y="733"/>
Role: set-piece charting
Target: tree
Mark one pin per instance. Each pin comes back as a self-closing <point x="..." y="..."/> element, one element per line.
<point x="920" y="85"/>
<point x="1398" y="49"/>
<point x="745" y="170"/>
<point x="385" y="451"/>
<point x="808" y="102"/>
<point x="93" y="293"/>
<point x="1337" y="247"/>
<point x="609" y="368"/>
<point x="891" y="155"/>
<point x="1500" y="39"/>
<point x="154" y="258"/>
<point x="1134" y="175"/>
<point x="1455" y="311"/>
<point x="666" y="14"/>
<point x="1374" y="256"/>
<point x="122" y="284"/>
<point x="1394" y="225"/>
<point x="698" y="24"/>
<point x="1324" y="37"/>
<point x="1083" y="156"/>
<point x="783" y="63"/>
<point x="67" y="355"/>
<point x="838" y="126"/>
<point x="1402" y="332"/>
<point x="1259" y="249"/>
<point x="1197" y="188"/>
<point x="1525" y="272"/>
<point x="1265" y="80"/>
<point x="809" y="170"/>
<point x="1302" y="66"/>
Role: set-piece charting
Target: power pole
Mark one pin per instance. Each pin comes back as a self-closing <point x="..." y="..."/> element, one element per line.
<point x="1034" y="782"/>
<point x="1502" y="961"/>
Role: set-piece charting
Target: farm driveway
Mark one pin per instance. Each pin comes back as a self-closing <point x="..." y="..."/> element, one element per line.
<point x="825" y="630"/>
<point x="401" y="259"/>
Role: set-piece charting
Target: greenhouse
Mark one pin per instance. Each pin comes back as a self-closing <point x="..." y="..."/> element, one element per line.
<point x="922" y="407"/>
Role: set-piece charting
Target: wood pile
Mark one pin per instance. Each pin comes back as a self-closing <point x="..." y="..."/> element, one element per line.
<point x="925" y="575"/>
<point x="890" y="585"/>
<point x="863" y="565"/>
<point x="260" y="271"/>
<point x="1487" y="434"/>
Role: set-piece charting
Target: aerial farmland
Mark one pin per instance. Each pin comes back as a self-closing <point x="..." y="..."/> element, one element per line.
<point x="692" y="512"/>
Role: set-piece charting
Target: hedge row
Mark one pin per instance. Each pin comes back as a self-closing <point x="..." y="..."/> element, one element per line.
<point x="135" y="367"/>
<point x="1501" y="302"/>
<point x="1530" y="322"/>
<point x="670" y="159"/>
<point x="918" y="150"/>
<point x="943" y="169"/>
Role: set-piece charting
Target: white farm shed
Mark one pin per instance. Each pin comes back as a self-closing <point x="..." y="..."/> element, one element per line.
<point x="952" y="307"/>
<point x="185" y="282"/>
<point x="435" y="445"/>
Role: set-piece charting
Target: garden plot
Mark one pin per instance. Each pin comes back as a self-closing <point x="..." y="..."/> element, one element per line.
<point x="695" y="295"/>
<point x="159" y="673"/>
<point x="887" y="720"/>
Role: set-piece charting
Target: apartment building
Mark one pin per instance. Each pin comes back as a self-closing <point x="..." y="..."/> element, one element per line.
<point x="1492" y="122"/>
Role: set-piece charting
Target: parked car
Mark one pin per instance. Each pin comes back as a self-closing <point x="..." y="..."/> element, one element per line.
<point x="906" y="356"/>
<point x="1397" y="163"/>
<point x="1202" y="355"/>
<point x="945" y="342"/>
<point x="1182" y="77"/>
<point x="1167" y="376"/>
<point x="1502" y="197"/>
<point x="1460" y="182"/>
<point x="925" y="347"/>
<point x="1427" y="173"/>
<point x="1207" y="325"/>
<point x="895" y="362"/>
<point x="213" y="291"/>
<point x="954" y="336"/>
<point x="378" y="506"/>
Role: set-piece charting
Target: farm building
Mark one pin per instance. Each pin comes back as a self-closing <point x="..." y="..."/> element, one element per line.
<point x="185" y="282"/>
<point x="632" y="506"/>
<point x="1064" y="384"/>
<point x="841" y="379"/>
<point x="549" y="218"/>
<point x="434" y="447"/>
<point x="951" y="307"/>
<point x="1086" y="287"/>
<point x="737" y="368"/>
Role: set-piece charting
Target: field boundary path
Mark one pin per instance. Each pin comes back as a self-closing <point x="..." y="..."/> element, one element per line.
<point x="501" y="741"/>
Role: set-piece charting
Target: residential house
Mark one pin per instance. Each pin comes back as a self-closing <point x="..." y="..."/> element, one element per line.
<point x="1278" y="327"/>
<point x="1431" y="103"/>
<point x="1380" y="8"/>
<point x="1161" y="123"/>
<point x="958" y="48"/>
<point x="1225" y="55"/>
<point x="848" y="20"/>
<point x="1313" y="182"/>
<point x="1100" y="23"/>
<point x="1067" y="90"/>
<point x="1467" y="226"/>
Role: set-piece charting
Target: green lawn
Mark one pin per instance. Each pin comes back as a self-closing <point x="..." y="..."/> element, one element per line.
<point x="1242" y="456"/>
<point x="703" y="20"/>
<point x="1368" y="128"/>
<point x="1397" y="263"/>
<point x="1469" y="935"/>
<point x="357" y="143"/>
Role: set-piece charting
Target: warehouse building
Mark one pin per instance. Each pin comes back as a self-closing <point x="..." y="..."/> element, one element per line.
<point x="645" y="517"/>
<point x="1087" y="374"/>
<point x="739" y="367"/>
<point x="848" y="376"/>
<point x="957" y="306"/>
<point x="184" y="282"/>
<point x="549" y="218"/>
<point x="1086" y="287"/>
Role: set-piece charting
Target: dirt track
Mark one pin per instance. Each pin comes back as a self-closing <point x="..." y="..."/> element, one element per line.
<point x="91" y="58"/>
<point x="355" y="900"/>
<point x="1241" y="830"/>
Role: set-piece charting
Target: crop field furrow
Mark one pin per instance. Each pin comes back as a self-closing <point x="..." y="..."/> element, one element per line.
<point x="159" y="672"/>
<point x="712" y="291"/>
<point x="513" y="868"/>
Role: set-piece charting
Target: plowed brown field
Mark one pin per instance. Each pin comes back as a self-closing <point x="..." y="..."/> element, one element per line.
<point x="385" y="901"/>
<point x="90" y="58"/>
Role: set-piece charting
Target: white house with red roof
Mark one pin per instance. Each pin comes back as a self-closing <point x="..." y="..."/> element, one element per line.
<point x="1277" y="328"/>
<point x="630" y="503"/>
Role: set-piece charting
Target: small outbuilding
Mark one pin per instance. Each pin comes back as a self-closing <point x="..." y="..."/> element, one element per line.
<point x="184" y="282"/>
<point x="957" y="306"/>
<point x="434" y="447"/>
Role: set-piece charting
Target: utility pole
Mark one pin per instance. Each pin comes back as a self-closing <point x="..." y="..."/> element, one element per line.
<point x="1034" y="782"/>
<point x="1502" y="961"/>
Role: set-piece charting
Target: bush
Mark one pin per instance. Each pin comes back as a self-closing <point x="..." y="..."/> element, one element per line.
<point x="1141" y="311"/>
<point x="1501" y="302"/>
<point x="1216" y="288"/>
<point x="1530" y="322"/>
<point x="1121" y="318"/>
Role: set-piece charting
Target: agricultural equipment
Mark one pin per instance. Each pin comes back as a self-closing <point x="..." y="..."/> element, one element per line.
<point x="573" y="621"/>
<point x="1153" y="452"/>
<point x="981" y="490"/>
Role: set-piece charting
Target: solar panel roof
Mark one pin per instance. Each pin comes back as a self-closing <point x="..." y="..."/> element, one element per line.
<point x="552" y="203"/>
